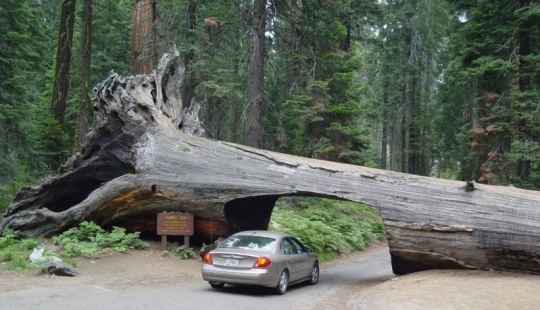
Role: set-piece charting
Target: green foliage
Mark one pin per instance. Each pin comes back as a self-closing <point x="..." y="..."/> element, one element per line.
<point x="18" y="263"/>
<point x="182" y="251"/>
<point x="89" y="240"/>
<point x="22" y="63"/>
<point x="318" y="93"/>
<point x="14" y="252"/>
<point x="329" y="227"/>
<point x="7" y="238"/>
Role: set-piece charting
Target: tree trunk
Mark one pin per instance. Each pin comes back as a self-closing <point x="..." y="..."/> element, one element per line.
<point x="190" y="25"/>
<point x="385" y="120"/>
<point x="63" y="61"/>
<point x="141" y="37"/>
<point x="256" y="96"/>
<point x="86" y="60"/>
<point x="146" y="156"/>
<point x="524" y="39"/>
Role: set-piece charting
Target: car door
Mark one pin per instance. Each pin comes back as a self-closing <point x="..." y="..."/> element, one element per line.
<point x="293" y="259"/>
<point x="305" y="261"/>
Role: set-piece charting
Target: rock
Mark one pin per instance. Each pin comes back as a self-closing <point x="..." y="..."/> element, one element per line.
<point x="37" y="255"/>
<point x="59" y="268"/>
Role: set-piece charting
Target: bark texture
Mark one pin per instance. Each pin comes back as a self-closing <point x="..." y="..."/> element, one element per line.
<point x="63" y="61"/>
<point x="256" y="98"/>
<point x="142" y="19"/>
<point x="146" y="155"/>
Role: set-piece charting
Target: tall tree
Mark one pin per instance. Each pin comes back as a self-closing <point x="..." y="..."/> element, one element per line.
<point x="86" y="61"/>
<point x="23" y="42"/>
<point x="142" y="47"/>
<point x="188" y="85"/>
<point x="405" y="77"/>
<point x="256" y="97"/>
<point x="256" y="76"/>
<point x="107" y="18"/>
<point x="63" y="61"/>
<point x="490" y="66"/>
<point x="321" y="74"/>
<point x="525" y="151"/>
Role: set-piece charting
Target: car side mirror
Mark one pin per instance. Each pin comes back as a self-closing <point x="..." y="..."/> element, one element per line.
<point x="309" y="250"/>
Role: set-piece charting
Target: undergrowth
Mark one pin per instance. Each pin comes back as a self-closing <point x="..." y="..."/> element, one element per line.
<point x="14" y="252"/>
<point x="328" y="226"/>
<point x="179" y="250"/>
<point x="89" y="240"/>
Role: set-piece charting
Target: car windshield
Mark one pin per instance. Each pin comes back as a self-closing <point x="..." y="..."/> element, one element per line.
<point x="249" y="242"/>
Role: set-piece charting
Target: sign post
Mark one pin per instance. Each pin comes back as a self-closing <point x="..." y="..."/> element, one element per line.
<point x="174" y="224"/>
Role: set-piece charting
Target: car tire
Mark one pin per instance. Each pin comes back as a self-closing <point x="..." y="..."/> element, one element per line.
<point x="283" y="283"/>
<point x="215" y="284"/>
<point x="314" y="277"/>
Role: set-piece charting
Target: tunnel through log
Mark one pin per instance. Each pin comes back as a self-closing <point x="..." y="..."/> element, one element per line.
<point x="250" y="213"/>
<point x="146" y="155"/>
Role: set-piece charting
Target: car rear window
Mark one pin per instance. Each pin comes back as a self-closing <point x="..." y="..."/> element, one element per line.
<point x="249" y="242"/>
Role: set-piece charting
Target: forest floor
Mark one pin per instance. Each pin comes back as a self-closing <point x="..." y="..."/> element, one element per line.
<point x="434" y="289"/>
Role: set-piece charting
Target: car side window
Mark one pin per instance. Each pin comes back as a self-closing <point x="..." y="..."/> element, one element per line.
<point x="298" y="246"/>
<point x="286" y="247"/>
<point x="294" y="249"/>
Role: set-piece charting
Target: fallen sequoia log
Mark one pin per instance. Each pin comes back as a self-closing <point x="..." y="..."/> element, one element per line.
<point x="145" y="156"/>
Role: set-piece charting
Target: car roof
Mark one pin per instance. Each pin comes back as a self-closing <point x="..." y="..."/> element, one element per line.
<point x="262" y="233"/>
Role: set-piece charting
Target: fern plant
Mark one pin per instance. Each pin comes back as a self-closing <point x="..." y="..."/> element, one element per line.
<point x="329" y="227"/>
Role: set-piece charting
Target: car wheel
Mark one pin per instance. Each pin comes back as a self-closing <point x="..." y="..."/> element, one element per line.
<point x="215" y="284"/>
<point x="314" y="278"/>
<point x="283" y="282"/>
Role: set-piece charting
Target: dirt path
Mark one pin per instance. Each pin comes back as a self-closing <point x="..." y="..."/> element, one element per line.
<point x="113" y="270"/>
<point x="446" y="289"/>
<point x="436" y="289"/>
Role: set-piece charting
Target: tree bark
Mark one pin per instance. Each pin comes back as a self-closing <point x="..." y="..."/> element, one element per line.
<point x="190" y="25"/>
<point x="141" y="37"/>
<point x="86" y="60"/>
<point x="146" y="156"/>
<point x="63" y="61"/>
<point x="256" y="98"/>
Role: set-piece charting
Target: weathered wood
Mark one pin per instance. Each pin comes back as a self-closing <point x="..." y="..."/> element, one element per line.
<point x="137" y="163"/>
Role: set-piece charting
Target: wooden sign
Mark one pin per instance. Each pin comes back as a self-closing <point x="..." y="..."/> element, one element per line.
<point x="174" y="224"/>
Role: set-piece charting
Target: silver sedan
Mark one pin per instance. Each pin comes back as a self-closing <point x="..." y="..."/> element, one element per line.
<point x="262" y="258"/>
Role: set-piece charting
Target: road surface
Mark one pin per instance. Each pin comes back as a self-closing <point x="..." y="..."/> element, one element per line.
<point x="336" y="278"/>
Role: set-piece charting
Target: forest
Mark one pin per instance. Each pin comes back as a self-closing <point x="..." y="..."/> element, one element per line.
<point x="441" y="88"/>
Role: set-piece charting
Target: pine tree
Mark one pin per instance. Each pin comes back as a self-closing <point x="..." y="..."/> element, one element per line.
<point x="22" y="42"/>
<point x="405" y="76"/>
<point x="492" y="45"/>
<point x="63" y="61"/>
<point x="320" y="69"/>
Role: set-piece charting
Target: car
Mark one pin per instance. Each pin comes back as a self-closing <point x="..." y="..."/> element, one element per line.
<point x="264" y="258"/>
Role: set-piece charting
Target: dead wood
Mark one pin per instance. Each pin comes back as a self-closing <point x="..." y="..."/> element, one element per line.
<point x="146" y="155"/>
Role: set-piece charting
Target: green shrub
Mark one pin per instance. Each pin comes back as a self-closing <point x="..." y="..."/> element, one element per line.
<point x="328" y="226"/>
<point x="19" y="262"/>
<point x="179" y="250"/>
<point x="16" y="251"/>
<point x="6" y="253"/>
<point x="7" y="238"/>
<point x="89" y="240"/>
<point x="29" y="243"/>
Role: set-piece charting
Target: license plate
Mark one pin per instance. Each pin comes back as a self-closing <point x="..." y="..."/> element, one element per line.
<point x="232" y="262"/>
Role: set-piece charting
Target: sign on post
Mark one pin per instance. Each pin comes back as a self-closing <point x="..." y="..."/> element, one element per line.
<point x="174" y="224"/>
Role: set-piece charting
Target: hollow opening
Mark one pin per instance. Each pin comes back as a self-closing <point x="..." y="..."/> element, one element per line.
<point x="331" y="227"/>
